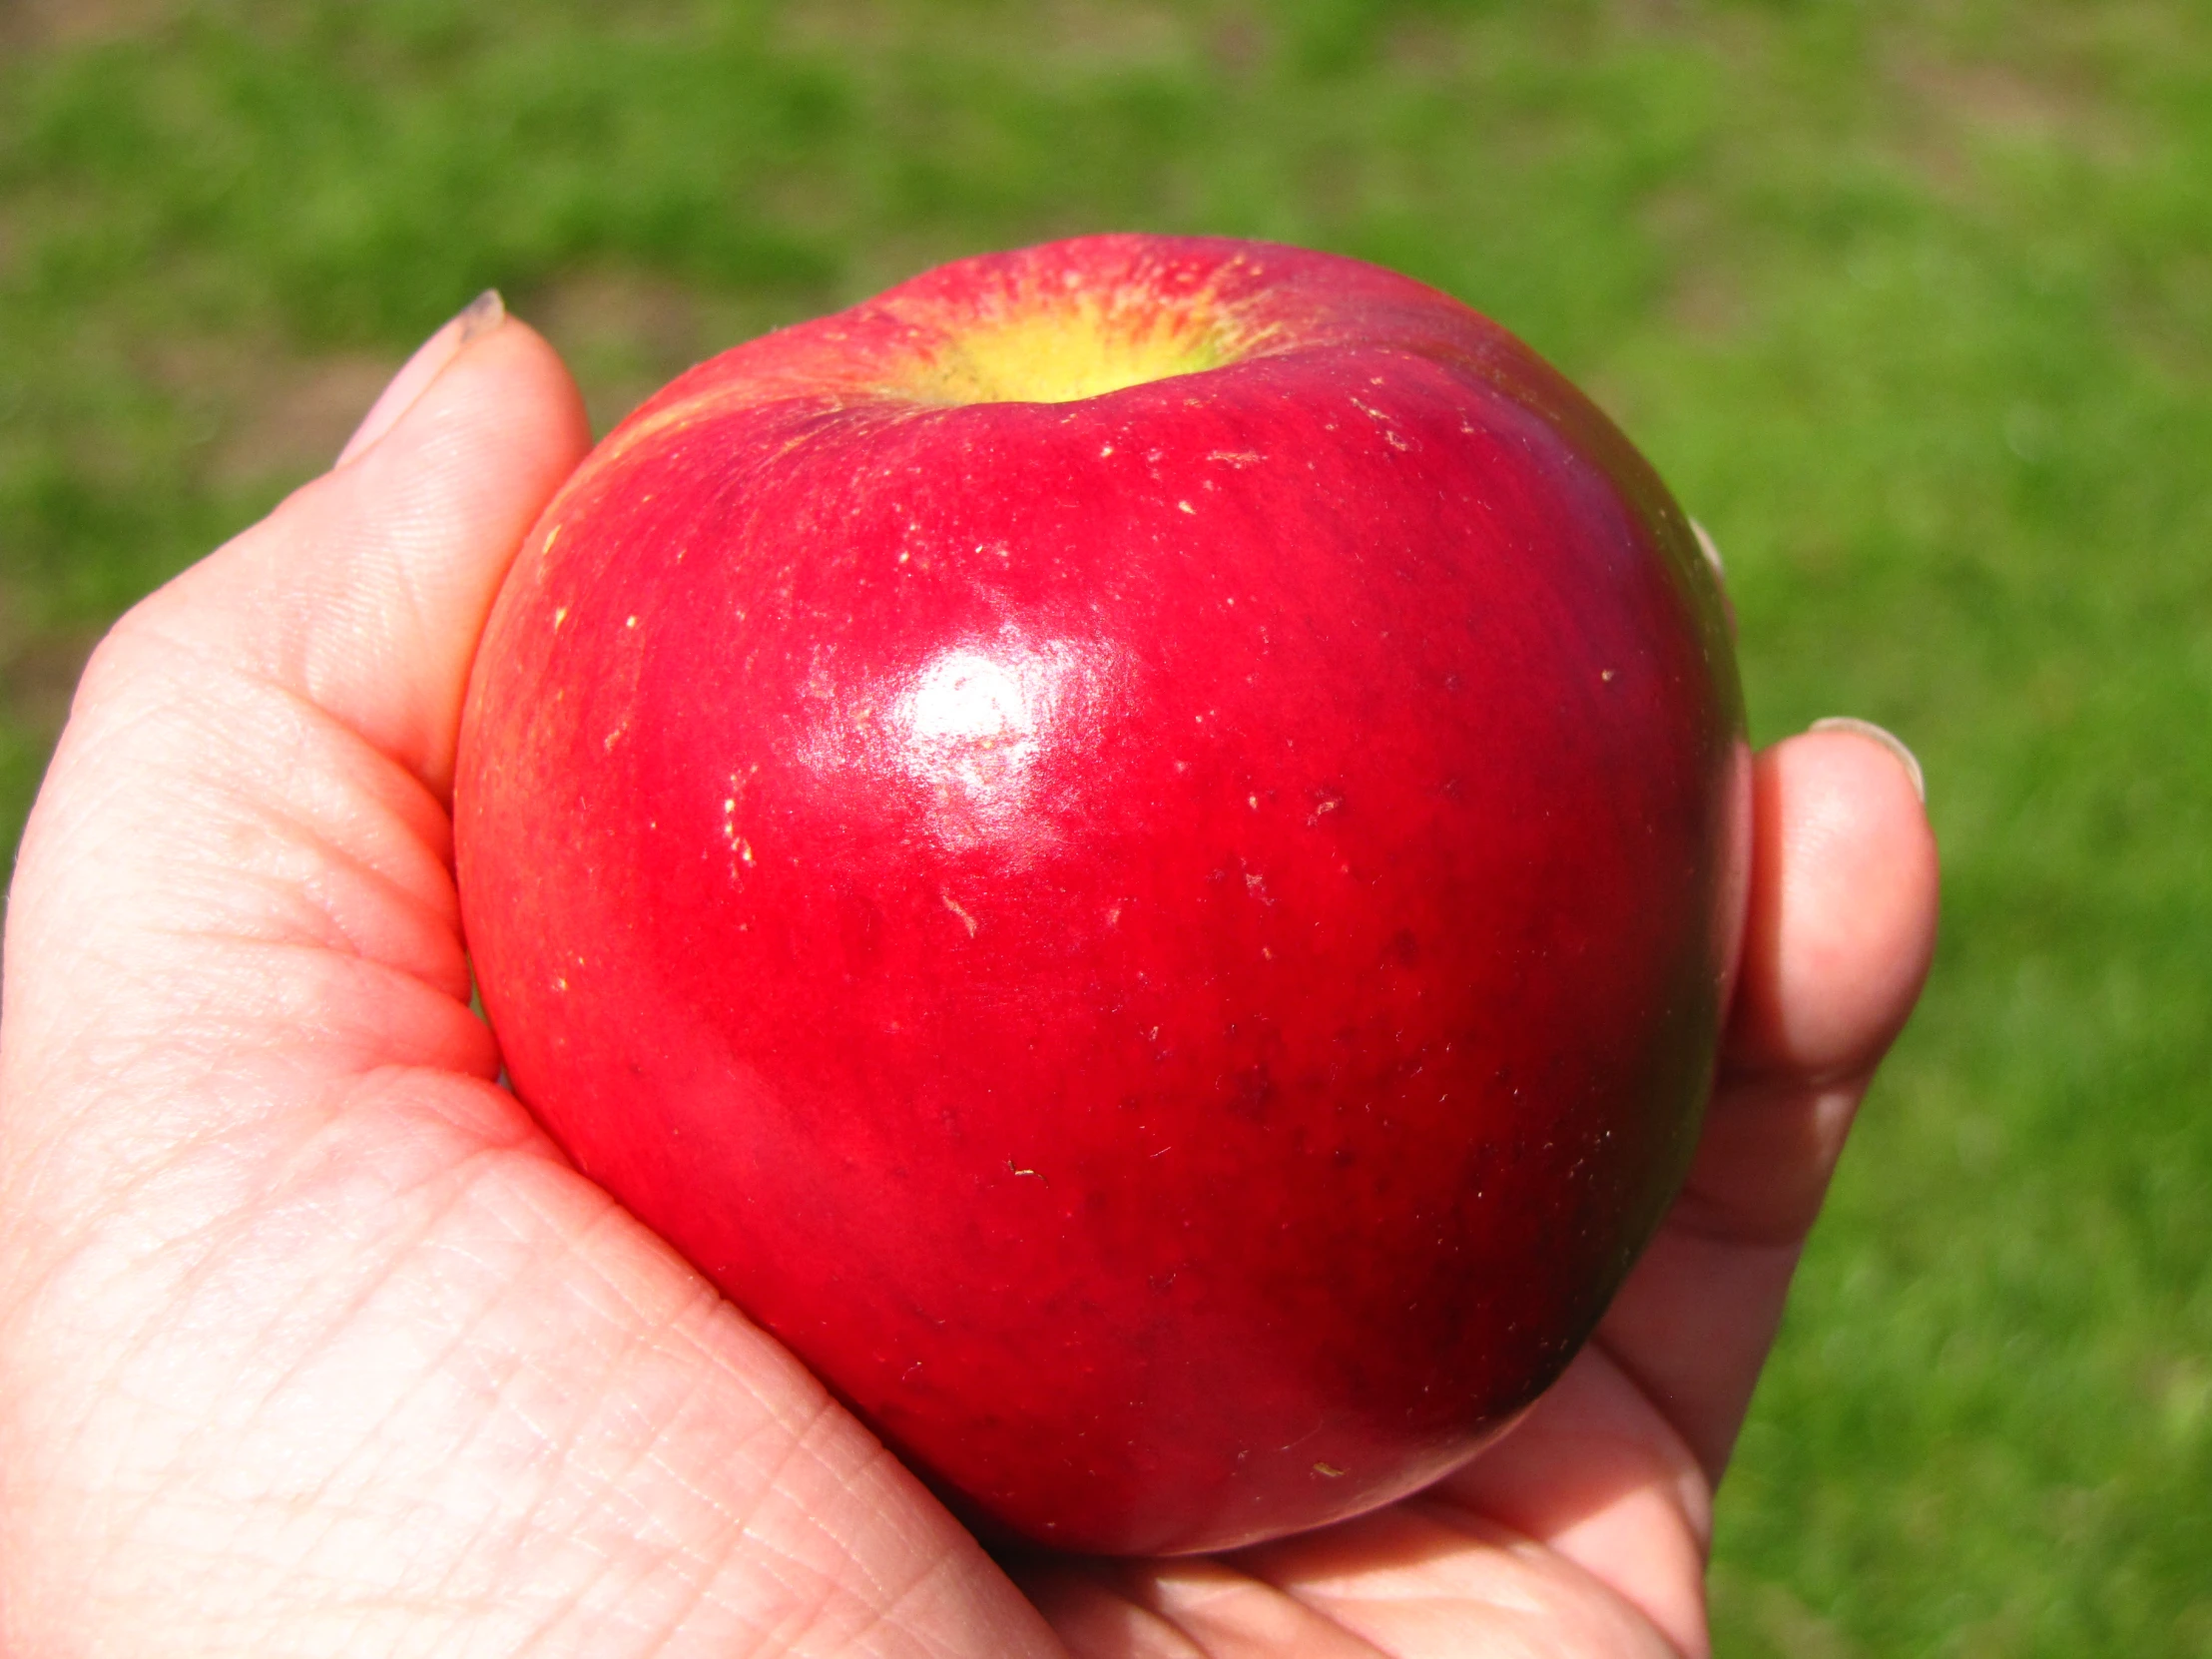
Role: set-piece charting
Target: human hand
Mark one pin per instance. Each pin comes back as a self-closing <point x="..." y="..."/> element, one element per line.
<point x="310" y="1342"/>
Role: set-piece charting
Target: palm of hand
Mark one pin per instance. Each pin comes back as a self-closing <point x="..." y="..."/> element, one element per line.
<point x="309" y="1342"/>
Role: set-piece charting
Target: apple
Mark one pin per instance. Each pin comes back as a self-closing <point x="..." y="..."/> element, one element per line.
<point x="1135" y="847"/>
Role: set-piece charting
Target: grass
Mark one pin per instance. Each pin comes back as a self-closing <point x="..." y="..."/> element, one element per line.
<point x="1912" y="303"/>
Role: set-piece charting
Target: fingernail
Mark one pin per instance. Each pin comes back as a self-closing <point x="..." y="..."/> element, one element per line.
<point x="1711" y="552"/>
<point x="1719" y="571"/>
<point x="481" y="316"/>
<point x="476" y="320"/>
<point x="1888" y="738"/>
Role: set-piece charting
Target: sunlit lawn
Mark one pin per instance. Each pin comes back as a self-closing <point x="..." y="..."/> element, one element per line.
<point x="1912" y="303"/>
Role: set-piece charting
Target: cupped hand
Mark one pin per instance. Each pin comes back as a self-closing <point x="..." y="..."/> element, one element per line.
<point x="312" y="1343"/>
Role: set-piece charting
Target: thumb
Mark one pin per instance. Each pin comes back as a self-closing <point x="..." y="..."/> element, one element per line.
<point x="365" y="592"/>
<point x="240" y="842"/>
<point x="303" y="1329"/>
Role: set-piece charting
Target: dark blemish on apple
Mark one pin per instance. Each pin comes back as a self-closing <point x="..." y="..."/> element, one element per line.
<point x="1405" y="950"/>
<point x="1253" y="1089"/>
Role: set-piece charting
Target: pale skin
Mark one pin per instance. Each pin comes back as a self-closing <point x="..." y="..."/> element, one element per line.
<point x="312" y="1343"/>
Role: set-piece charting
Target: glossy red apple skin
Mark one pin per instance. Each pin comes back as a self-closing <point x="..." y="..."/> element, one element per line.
<point x="1171" y="945"/>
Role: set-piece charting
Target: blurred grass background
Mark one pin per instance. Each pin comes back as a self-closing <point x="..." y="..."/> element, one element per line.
<point x="1912" y="303"/>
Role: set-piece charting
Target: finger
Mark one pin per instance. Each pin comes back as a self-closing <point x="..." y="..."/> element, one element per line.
<point x="1428" y="1577"/>
<point x="1184" y="1609"/>
<point x="1841" y="928"/>
<point x="366" y="591"/>
<point x="1839" y="933"/>
<point x="1596" y="1474"/>
<point x="479" y="318"/>
<point x="239" y="849"/>
<point x="1842" y="919"/>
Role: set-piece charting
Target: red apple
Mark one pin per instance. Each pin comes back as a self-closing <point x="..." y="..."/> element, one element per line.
<point x="1136" y="848"/>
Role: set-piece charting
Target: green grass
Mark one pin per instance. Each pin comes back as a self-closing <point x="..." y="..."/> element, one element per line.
<point x="1912" y="303"/>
